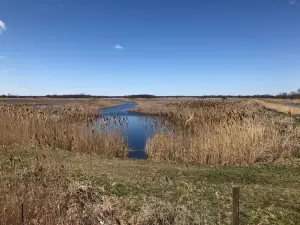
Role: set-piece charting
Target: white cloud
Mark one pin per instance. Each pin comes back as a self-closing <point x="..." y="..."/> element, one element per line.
<point x="5" y="71"/>
<point x="292" y="2"/>
<point x="2" y="57"/>
<point x="118" y="47"/>
<point x="2" y="26"/>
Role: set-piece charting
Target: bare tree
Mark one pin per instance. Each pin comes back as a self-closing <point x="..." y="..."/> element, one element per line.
<point x="293" y="93"/>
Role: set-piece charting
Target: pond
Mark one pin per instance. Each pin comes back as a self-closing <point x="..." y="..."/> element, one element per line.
<point x="137" y="128"/>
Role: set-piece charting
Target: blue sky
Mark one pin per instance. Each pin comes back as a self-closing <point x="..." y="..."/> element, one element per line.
<point x="162" y="47"/>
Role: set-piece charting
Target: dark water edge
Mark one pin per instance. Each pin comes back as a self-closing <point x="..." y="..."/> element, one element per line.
<point x="136" y="128"/>
<point x="292" y="104"/>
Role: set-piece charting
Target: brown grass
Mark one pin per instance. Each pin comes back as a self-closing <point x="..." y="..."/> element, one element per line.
<point x="280" y="107"/>
<point x="66" y="127"/>
<point x="156" y="105"/>
<point x="62" y="101"/>
<point x="68" y="187"/>
<point x="61" y="187"/>
<point x="52" y="191"/>
<point x="281" y="100"/>
<point x="211" y="132"/>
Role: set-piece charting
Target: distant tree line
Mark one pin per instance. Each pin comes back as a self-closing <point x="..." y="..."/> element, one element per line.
<point x="286" y="95"/>
<point x="140" y="96"/>
<point x="291" y="95"/>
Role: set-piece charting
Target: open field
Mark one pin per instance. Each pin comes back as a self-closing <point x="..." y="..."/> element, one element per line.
<point x="66" y="173"/>
<point x="155" y="106"/>
<point x="281" y="106"/>
<point x="60" y="187"/>
<point x="62" y="101"/>
<point x="284" y="100"/>
<point x="152" y="106"/>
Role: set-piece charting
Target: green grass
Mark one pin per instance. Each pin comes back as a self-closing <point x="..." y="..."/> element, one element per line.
<point x="160" y="192"/>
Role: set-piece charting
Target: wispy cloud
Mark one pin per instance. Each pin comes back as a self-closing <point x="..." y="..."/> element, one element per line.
<point x="46" y="8"/>
<point x="2" y="57"/>
<point x="2" y="26"/>
<point x="118" y="47"/>
<point x="292" y="2"/>
<point x="5" y="71"/>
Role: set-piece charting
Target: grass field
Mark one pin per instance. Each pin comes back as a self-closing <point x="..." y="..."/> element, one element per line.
<point x="59" y="187"/>
<point x="280" y="106"/>
<point x="64" y="174"/>
<point x="62" y="101"/>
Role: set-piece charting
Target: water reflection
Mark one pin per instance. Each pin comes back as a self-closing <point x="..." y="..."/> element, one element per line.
<point x="137" y="128"/>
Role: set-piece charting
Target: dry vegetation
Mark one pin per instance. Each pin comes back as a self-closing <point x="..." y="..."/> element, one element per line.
<point x="55" y="163"/>
<point x="282" y="100"/>
<point x="63" y="101"/>
<point x="66" y="127"/>
<point x="155" y="106"/>
<point x="211" y="132"/>
<point x="280" y="106"/>
<point x="60" y="187"/>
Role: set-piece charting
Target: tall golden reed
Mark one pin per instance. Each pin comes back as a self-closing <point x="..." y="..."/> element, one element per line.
<point x="65" y="127"/>
<point x="211" y="132"/>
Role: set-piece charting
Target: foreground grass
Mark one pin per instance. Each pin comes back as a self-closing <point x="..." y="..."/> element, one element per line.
<point x="60" y="187"/>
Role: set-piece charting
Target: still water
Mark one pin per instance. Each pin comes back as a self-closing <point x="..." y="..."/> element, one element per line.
<point x="137" y="128"/>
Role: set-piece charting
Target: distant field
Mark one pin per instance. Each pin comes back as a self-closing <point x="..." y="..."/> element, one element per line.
<point x="154" y="106"/>
<point x="56" y="101"/>
<point x="284" y="100"/>
<point x="283" y="106"/>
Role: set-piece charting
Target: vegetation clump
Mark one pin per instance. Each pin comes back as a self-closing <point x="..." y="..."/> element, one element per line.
<point x="65" y="127"/>
<point x="218" y="132"/>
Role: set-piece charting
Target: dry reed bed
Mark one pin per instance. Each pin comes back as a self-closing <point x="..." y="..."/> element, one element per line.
<point x="156" y="105"/>
<point x="282" y="100"/>
<point x="210" y="132"/>
<point x="65" y="127"/>
<point x="279" y="106"/>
